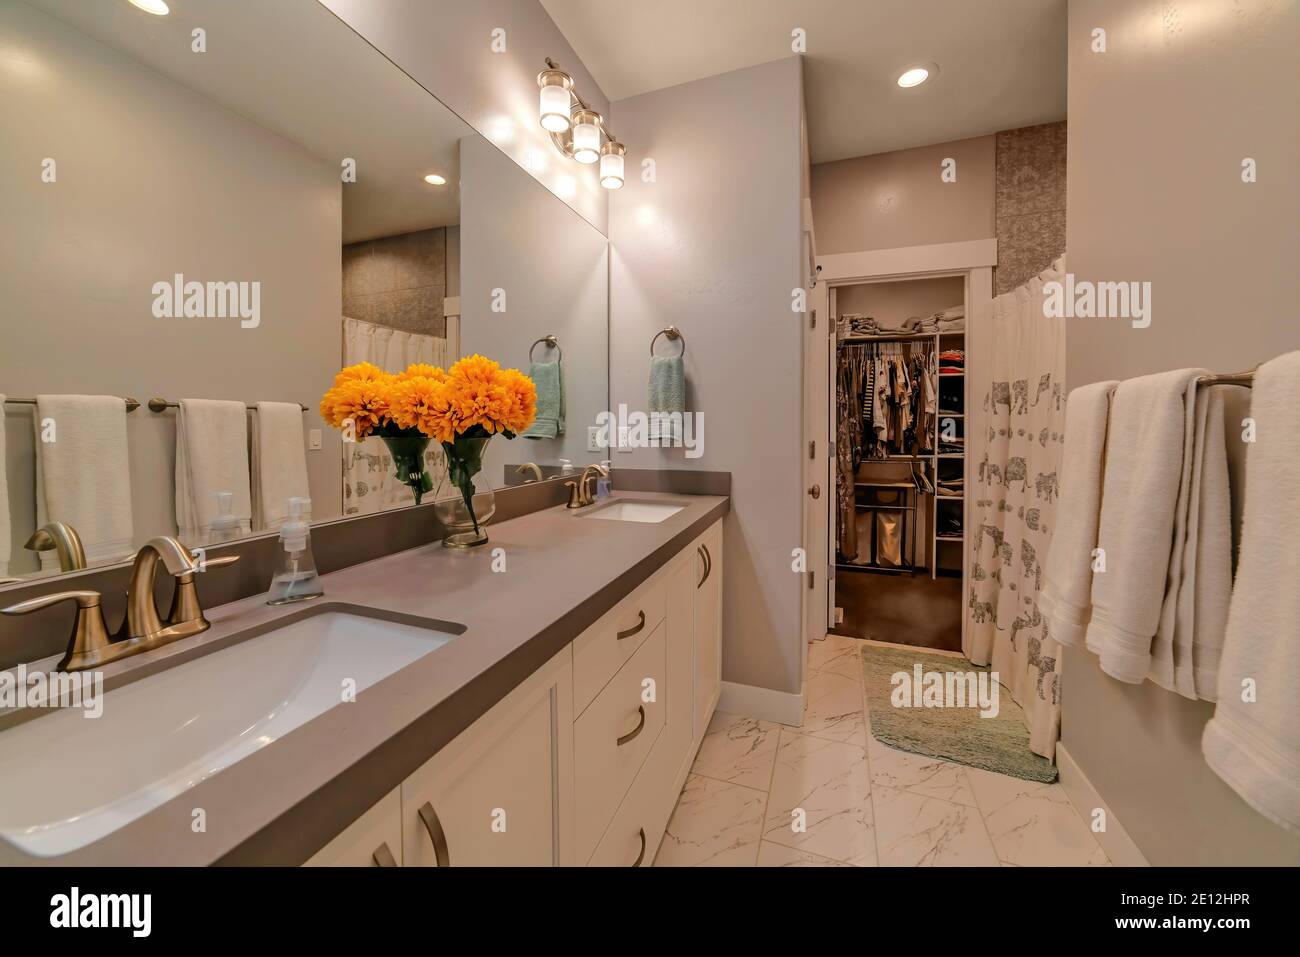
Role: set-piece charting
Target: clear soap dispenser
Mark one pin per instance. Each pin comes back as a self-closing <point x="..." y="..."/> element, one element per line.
<point x="224" y="527"/>
<point x="295" y="578"/>
<point x="604" y="482"/>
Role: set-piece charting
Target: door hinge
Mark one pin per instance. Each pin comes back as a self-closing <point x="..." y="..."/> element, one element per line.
<point x="812" y="449"/>
<point x="812" y="580"/>
<point x="812" y="317"/>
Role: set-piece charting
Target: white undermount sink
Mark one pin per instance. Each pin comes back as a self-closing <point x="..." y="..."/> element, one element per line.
<point x="69" y="780"/>
<point x="631" y="510"/>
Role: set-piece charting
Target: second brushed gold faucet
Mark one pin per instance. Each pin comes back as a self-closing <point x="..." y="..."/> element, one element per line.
<point x="580" y="495"/>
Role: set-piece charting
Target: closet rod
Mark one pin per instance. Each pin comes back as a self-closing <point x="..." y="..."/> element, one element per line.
<point x="131" y="404"/>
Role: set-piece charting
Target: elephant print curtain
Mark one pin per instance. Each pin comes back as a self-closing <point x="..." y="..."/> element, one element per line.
<point x="1014" y="505"/>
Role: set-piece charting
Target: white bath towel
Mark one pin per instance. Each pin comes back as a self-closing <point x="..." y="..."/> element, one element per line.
<point x="1066" y="598"/>
<point x="1148" y="469"/>
<point x="6" y="529"/>
<point x="279" y="463"/>
<point x="1189" y="641"/>
<point x="1254" y="745"/>
<point x="211" y="457"/>
<point x="83" y="473"/>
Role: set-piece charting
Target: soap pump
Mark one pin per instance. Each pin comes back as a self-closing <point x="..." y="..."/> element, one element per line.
<point x="566" y="467"/>
<point x="296" y="578"/>
<point x="604" y="483"/>
<point x="224" y="527"/>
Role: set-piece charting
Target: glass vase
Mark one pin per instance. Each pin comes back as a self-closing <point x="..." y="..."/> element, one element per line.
<point x="408" y="461"/>
<point x="465" y="502"/>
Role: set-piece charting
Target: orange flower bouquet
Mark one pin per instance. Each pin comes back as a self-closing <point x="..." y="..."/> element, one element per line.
<point x="462" y="408"/>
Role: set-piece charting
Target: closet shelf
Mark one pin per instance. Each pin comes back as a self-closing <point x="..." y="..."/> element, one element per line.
<point x="903" y="485"/>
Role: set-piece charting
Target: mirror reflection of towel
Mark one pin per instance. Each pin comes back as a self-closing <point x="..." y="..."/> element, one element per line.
<point x="549" y="379"/>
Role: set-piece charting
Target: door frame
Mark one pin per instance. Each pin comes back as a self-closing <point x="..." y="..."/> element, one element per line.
<point x="974" y="259"/>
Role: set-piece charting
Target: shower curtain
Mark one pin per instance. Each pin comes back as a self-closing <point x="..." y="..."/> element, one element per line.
<point x="1014" y="506"/>
<point x="369" y="479"/>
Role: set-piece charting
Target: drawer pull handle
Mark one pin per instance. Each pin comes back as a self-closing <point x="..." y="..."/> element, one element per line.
<point x="640" y="857"/>
<point x="383" y="857"/>
<point x="635" y="629"/>
<point x="640" y="726"/>
<point x="703" y="552"/>
<point x="436" y="835"/>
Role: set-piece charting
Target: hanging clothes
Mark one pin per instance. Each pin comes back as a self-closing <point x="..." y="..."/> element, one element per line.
<point x="896" y="399"/>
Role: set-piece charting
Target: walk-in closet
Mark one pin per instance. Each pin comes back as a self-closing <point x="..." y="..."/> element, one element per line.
<point x="900" y="459"/>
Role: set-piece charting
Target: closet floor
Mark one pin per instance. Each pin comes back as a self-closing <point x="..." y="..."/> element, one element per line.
<point x="904" y="609"/>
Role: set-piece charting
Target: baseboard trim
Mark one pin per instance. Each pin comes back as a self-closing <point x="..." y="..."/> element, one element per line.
<point x="1119" y="847"/>
<point x="779" y="706"/>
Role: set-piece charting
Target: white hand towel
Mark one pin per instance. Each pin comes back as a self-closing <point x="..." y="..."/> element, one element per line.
<point x="83" y="473"/>
<point x="1066" y="598"/>
<point x="279" y="463"/>
<point x="5" y="524"/>
<point x="211" y="457"/>
<point x="1189" y="641"/>
<point x="1148" y="469"/>
<point x="1255" y="745"/>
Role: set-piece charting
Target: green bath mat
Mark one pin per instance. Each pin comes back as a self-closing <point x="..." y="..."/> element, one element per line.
<point x="959" y="734"/>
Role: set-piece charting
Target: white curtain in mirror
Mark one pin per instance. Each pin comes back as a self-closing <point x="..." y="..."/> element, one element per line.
<point x="369" y="480"/>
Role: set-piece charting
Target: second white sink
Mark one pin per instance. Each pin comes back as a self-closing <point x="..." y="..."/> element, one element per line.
<point x="69" y="780"/>
<point x="632" y="510"/>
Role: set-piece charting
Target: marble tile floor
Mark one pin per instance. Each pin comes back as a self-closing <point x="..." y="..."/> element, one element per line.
<point x="857" y="802"/>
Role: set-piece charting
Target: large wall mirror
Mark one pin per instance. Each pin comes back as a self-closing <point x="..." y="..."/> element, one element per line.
<point x="236" y="223"/>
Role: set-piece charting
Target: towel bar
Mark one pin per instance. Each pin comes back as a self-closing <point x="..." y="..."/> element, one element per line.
<point x="1246" y="378"/>
<point x="131" y="404"/>
<point x="158" y="405"/>
<point x="551" y="341"/>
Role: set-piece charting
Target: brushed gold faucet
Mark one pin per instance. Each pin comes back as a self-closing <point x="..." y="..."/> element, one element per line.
<point x="64" y="540"/>
<point x="579" y="495"/>
<point x="142" y="629"/>
<point x="530" y="467"/>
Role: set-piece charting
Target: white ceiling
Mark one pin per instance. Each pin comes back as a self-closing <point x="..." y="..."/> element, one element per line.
<point x="294" y="68"/>
<point x="1001" y="62"/>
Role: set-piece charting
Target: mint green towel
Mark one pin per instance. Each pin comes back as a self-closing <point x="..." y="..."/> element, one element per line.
<point x="549" y="379"/>
<point x="667" y="398"/>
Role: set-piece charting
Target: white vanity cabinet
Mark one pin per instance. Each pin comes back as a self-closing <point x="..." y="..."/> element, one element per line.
<point x="584" y="761"/>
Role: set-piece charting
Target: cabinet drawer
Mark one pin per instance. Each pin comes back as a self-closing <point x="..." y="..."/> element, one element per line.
<point x="633" y="836"/>
<point x="612" y="738"/>
<point x="375" y="838"/>
<point x="599" y="652"/>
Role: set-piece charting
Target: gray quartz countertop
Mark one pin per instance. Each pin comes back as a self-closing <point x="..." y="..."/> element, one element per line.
<point x="282" y="803"/>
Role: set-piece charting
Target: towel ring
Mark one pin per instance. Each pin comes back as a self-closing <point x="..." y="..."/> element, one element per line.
<point x="673" y="334"/>
<point x="551" y="341"/>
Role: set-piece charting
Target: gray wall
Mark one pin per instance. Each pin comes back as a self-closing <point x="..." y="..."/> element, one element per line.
<point x="446" y="45"/>
<point x="713" y="246"/>
<point x="897" y="199"/>
<point x="1158" y="129"/>
<point x="398" y="281"/>
<point x="153" y="180"/>
<point x="554" y="269"/>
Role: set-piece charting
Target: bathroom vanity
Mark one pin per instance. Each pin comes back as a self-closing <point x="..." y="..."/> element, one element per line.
<point x="535" y="702"/>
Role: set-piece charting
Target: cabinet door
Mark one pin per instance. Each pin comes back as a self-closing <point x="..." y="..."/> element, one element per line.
<point x="708" y="627"/>
<point x="500" y="794"/>
<point x="372" y="840"/>
<point x="680" y="620"/>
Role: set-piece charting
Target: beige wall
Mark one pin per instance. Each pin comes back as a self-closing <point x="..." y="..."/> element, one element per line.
<point x="1158" y="129"/>
<point x="152" y="180"/>
<point x="446" y="45"/>
<point x="713" y="246"/>
<point x="898" y="199"/>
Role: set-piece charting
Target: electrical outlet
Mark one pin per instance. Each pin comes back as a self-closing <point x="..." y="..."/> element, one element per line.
<point x="593" y="439"/>
<point x="622" y="440"/>
<point x="313" y="440"/>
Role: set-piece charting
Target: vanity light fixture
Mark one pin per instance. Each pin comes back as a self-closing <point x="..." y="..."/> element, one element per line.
<point x="433" y="179"/>
<point x="157" y="7"/>
<point x="576" y="129"/>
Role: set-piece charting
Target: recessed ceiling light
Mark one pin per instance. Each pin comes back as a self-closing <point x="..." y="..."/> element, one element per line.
<point x="914" y="76"/>
<point x="157" y="7"/>
<point x="433" y="179"/>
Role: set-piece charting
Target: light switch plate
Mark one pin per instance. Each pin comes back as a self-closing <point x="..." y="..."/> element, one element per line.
<point x="313" y="439"/>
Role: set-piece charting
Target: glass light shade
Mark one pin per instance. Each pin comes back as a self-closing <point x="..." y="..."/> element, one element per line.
<point x="586" y="137"/>
<point x="554" y="100"/>
<point x="611" y="166"/>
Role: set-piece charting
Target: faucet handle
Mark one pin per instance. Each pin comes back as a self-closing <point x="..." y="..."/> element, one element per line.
<point x="89" y="633"/>
<point x="185" y="599"/>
